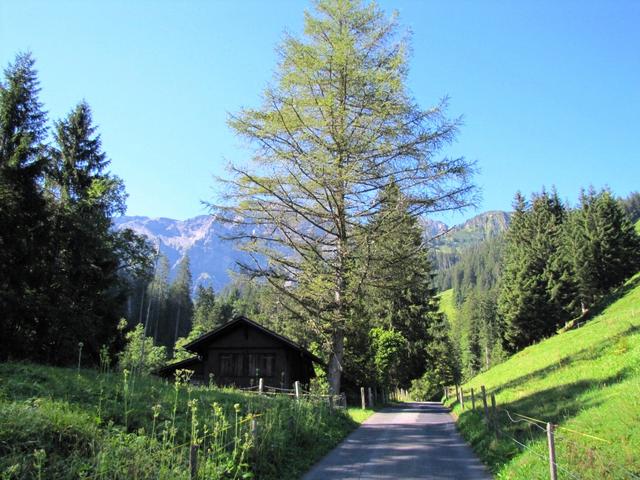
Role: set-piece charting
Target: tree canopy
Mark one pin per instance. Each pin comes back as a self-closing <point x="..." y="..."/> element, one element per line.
<point x="335" y="127"/>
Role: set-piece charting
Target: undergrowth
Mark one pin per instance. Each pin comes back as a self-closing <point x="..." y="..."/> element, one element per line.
<point x="56" y="423"/>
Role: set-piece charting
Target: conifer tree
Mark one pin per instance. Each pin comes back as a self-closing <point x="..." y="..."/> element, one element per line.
<point x="397" y="284"/>
<point x="527" y="302"/>
<point x="23" y="212"/>
<point x="180" y="300"/>
<point x="86" y="269"/>
<point x="336" y="126"/>
<point x="602" y="246"/>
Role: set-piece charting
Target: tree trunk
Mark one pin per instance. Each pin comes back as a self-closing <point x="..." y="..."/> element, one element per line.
<point x="335" y="362"/>
<point x="175" y="335"/>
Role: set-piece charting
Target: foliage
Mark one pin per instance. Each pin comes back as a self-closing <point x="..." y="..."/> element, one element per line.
<point x="390" y="355"/>
<point x="585" y="380"/>
<point x="602" y="248"/>
<point x="426" y="388"/>
<point x="65" y="271"/>
<point x="631" y="205"/>
<point x="529" y="297"/>
<point x="335" y="128"/>
<point x="81" y="428"/>
<point x="140" y="354"/>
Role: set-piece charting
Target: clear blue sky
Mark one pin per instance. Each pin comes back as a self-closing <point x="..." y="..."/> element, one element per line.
<point x="550" y="91"/>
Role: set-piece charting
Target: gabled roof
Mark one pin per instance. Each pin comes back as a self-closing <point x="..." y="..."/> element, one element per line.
<point x="187" y="362"/>
<point x="241" y="319"/>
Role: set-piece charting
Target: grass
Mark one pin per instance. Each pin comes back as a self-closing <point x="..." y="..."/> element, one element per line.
<point x="448" y="306"/>
<point x="585" y="380"/>
<point x="638" y="226"/>
<point x="56" y="423"/>
<point x="359" y="415"/>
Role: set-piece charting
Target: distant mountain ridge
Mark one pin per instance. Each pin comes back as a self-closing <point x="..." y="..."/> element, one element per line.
<point x="212" y="258"/>
<point x="200" y="237"/>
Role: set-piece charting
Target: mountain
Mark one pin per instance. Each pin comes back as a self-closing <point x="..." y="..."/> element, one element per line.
<point x="212" y="258"/>
<point x="475" y="230"/>
<point x="447" y="248"/>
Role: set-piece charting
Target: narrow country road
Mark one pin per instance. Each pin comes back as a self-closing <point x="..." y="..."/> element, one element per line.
<point x="412" y="441"/>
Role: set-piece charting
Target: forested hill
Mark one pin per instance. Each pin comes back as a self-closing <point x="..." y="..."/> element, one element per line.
<point x="212" y="258"/>
<point x="448" y="248"/>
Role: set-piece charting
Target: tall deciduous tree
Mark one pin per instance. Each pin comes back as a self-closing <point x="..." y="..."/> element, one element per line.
<point x="335" y="127"/>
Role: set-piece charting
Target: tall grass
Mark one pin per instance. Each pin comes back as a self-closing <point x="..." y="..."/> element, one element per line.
<point x="56" y="423"/>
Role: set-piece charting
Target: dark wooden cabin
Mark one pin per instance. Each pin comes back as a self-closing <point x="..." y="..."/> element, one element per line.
<point x="240" y="352"/>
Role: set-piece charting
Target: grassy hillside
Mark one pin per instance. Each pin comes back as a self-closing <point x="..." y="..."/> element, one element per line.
<point x="585" y="380"/>
<point x="56" y="423"/>
<point x="638" y="226"/>
<point x="448" y="306"/>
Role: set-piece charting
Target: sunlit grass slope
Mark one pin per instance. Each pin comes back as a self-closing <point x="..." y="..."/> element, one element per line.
<point x="447" y="305"/>
<point x="586" y="380"/>
<point x="638" y="226"/>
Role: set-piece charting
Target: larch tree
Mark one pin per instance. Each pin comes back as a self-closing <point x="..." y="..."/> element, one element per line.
<point x="336" y="125"/>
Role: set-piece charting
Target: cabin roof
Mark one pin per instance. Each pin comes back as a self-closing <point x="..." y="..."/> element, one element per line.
<point x="187" y="362"/>
<point x="204" y="339"/>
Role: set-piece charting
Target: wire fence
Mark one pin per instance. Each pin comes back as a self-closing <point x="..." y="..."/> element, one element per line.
<point x="494" y="416"/>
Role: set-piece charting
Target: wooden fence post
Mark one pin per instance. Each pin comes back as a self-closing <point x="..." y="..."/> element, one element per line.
<point x="553" y="469"/>
<point x="260" y="386"/>
<point x="462" y="398"/>
<point x="484" y="404"/>
<point x="364" y="403"/>
<point x="193" y="462"/>
<point x="473" y="400"/>
<point x="446" y="393"/>
<point x="370" y="398"/>
<point x="457" y="393"/>
<point x="494" y="414"/>
<point x="296" y="386"/>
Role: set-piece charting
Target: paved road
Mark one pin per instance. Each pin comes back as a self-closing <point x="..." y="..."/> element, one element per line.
<point x="413" y="441"/>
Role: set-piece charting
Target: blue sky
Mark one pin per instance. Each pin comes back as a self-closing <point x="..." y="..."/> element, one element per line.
<point x="549" y="91"/>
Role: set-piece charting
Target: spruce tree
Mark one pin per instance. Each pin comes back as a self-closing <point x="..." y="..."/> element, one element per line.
<point x="180" y="300"/>
<point x="89" y="290"/>
<point x="24" y="217"/>
<point x="527" y="300"/>
<point x="603" y="248"/>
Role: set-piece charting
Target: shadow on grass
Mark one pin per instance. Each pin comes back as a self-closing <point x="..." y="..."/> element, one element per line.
<point x="612" y="297"/>
<point x="587" y="353"/>
<point x="555" y="405"/>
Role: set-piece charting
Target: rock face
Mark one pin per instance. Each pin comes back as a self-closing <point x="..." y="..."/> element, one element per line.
<point x="213" y="258"/>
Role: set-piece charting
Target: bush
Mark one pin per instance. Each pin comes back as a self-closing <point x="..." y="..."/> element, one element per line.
<point x="426" y="388"/>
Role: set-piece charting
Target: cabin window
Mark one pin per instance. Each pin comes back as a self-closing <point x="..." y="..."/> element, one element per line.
<point x="267" y="362"/>
<point x="226" y="365"/>
<point x="254" y="368"/>
<point x="231" y="365"/>
<point x="262" y="364"/>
